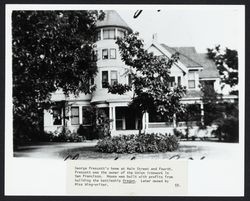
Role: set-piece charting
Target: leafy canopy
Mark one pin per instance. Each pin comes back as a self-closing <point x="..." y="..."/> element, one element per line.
<point x="227" y="64"/>
<point x="51" y="50"/>
<point x="149" y="78"/>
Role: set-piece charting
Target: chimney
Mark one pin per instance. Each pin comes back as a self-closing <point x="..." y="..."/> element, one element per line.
<point x="154" y="37"/>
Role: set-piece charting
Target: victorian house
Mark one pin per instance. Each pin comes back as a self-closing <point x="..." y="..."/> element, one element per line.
<point x="191" y="71"/>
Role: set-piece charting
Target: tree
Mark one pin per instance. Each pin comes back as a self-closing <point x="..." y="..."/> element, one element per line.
<point x="51" y="50"/>
<point x="227" y="64"/>
<point x="150" y="78"/>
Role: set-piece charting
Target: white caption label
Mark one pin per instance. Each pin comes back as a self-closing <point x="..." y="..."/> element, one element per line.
<point x="135" y="178"/>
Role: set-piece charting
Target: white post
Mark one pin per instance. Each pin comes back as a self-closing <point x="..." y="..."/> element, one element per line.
<point x="111" y="117"/>
<point x="80" y="114"/>
<point x="174" y="120"/>
<point x="101" y="34"/>
<point x="146" y="121"/>
<point x="114" y="119"/>
<point x="202" y="113"/>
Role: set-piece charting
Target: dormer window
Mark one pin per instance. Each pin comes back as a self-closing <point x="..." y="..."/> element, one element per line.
<point x="108" y="34"/>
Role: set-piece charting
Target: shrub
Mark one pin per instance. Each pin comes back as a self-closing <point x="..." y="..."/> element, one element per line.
<point x="86" y="132"/>
<point x="228" y="129"/>
<point x="66" y="136"/>
<point x="138" y="143"/>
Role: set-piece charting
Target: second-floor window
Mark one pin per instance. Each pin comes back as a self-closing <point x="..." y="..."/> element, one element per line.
<point x="105" y="54"/>
<point x="191" y="79"/>
<point x="171" y="81"/>
<point x="114" y="77"/>
<point x="74" y="115"/>
<point x="105" y="79"/>
<point x="112" y="53"/>
<point x="108" y="33"/>
<point x="179" y="80"/>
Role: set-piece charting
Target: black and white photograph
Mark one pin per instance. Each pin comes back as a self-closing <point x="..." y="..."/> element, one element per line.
<point x="117" y="83"/>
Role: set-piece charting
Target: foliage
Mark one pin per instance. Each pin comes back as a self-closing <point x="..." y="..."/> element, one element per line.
<point x="150" y="78"/>
<point x="227" y="64"/>
<point x="138" y="143"/>
<point x="119" y="88"/>
<point x="228" y="122"/>
<point x="65" y="135"/>
<point x="51" y="50"/>
<point x="228" y="129"/>
<point x="99" y="126"/>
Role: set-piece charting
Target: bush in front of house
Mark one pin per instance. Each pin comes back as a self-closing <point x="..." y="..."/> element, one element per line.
<point x="65" y="135"/>
<point x="138" y="143"/>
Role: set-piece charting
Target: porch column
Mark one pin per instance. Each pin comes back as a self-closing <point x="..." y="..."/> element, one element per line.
<point x="80" y="114"/>
<point x="174" y="120"/>
<point x="111" y="117"/>
<point x="144" y="122"/>
<point x="202" y="113"/>
<point x="114" y="118"/>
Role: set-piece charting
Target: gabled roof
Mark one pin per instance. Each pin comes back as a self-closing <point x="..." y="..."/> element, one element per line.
<point x="192" y="59"/>
<point x="185" y="53"/>
<point x="112" y="19"/>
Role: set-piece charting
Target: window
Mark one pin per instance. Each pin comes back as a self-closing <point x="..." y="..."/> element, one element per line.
<point x="191" y="79"/>
<point x="74" y="115"/>
<point x="105" y="79"/>
<point x="92" y="81"/>
<point x="114" y="77"/>
<point x="105" y="54"/>
<point x="98" y="35"/>
<point x="171" y="81"/>
<point x="109" y="34"/>
<point x="112" y="53"/>
<point x="94" y="55"/>
<point x="86" y="116"/>
<point x="57" y="116"/>
<point x="156" y="117"/>
<point x="179" y="80"/>
<point x="130" y="80"/>
<point x="121" y="33"/>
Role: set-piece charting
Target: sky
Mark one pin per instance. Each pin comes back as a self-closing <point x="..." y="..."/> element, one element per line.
<point x="201" y="27"/>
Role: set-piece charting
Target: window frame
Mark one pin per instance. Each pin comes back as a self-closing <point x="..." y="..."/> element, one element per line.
<point x="108" y="36"/>
<point x="105" y="55"/>
<point x="111" y="54"/>
<point x="74" y="116"/>
<point x="116" y="72"/>
<point x="53" y="116"/>
<point x="102" y="82"/>
<point x="192" y="80"/>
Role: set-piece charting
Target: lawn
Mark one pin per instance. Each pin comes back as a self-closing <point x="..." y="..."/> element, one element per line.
<point x="192" y="150"/>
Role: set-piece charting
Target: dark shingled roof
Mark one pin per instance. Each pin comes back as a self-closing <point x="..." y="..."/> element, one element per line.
<point x="113" y="19"/>
<point x="190" y="58"/>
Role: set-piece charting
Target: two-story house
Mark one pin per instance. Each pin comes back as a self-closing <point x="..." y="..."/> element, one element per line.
<point x="191" y="69"/>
